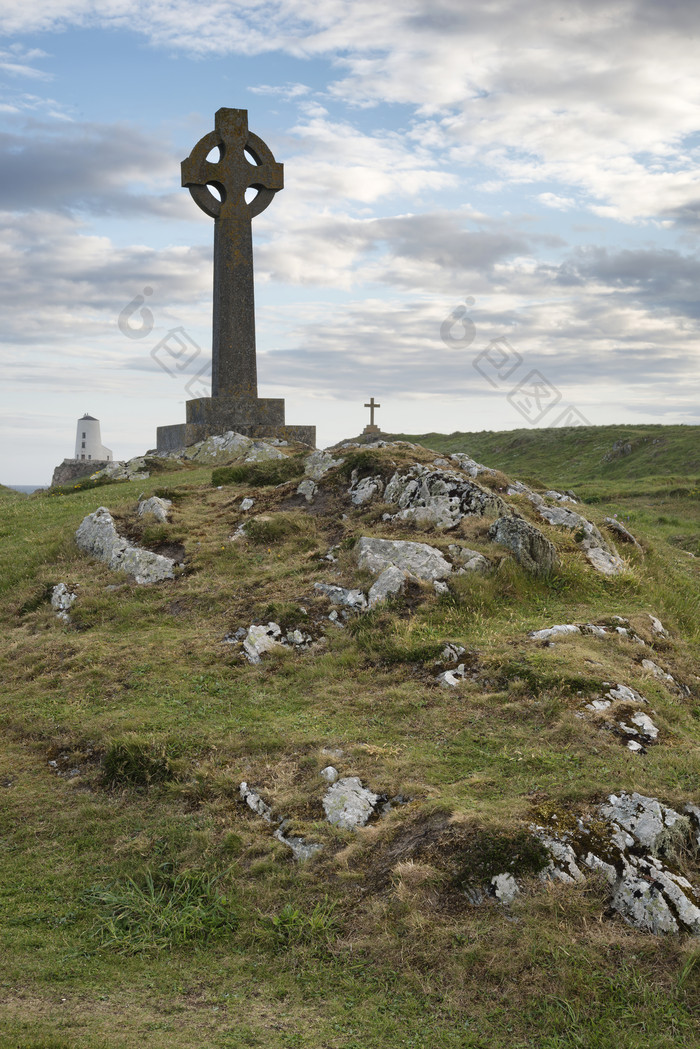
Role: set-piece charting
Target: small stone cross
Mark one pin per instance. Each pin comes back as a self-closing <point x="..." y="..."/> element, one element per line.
<point x="234" y="368"/>
<point x="371" y="407"/>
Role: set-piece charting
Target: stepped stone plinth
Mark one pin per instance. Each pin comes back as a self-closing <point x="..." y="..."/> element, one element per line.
<point x="234" y="403"/>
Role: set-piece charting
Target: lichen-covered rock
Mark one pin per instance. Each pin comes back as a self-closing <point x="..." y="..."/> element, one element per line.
<point x="529" y="547"/>
<point x="418" y="559"/>
<point x="452" y="678"/>
<point x="340" y="595"/>
<point x="469" y="465"/>
<point x="133" y="470"/>
<point x="364" y="490"/>
<point x="466" y="560"/>
<point x="601" y="555"/>
<point x="347" y="804"/>
<point x="97" y="536"/>
<point x="391" y="582"/>
<point x="439" y="498"/>
<point x="649" y="823"/>
<point x="504" y="887"/>
<point x="156" y="506"/>
<point x="554" y="631"/>
<point x="62" y="600"/>
<point x="261" y="639"/>
<point x="319" y="463"/>
<point x="308" y="489"/>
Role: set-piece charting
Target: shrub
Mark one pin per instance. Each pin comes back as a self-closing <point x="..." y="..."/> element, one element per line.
<point x="499" y="852"/>
<point x="269" y="472"/>
<point x="136" y="763"/>
<point x="161" y="911"/>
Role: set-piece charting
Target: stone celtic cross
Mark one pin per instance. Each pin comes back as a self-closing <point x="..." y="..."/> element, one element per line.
<point x="234" y="367"/>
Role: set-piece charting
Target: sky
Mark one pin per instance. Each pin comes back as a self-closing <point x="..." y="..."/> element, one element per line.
<point x="490" y="215"/>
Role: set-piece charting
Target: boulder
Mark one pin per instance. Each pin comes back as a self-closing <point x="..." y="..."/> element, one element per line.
<point x="601" y="555"/>
<point x="391" y="582"/>
<point x="554" y="631"/>
<point x="641" y="820"/>
<point x="98" y="537"/>
<point x="319" y="463"/>
<point x="307" y="488"/>
<point x="418" y="559"/>
<point x="621" y="532"/>
<point x="156" y="506"/>
<point x="347" y="804"/>
<point x="439" y="498"/>
<point x="529" y="547"/>
<point x="364" y="490"/>
<point x="340" y="595"/>
<point x="133" y="470"/>
<point x="504" y="887"/>
<point x="467" y="560"/>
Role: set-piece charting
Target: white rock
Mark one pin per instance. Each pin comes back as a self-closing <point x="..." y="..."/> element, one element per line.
<point x="98" y="537"/>
<point x="247" y="503"/>
<point x="330" y="773"/>
<point x="657" y="626"/>
<point x="418" y="559"/>
<point x="605" y="561"/>
<point x="348" y="804"/>
<point x="655" y="669"/>
<point x="364" y="490"/>
<point x="438" y="498"/>
<point x="452" y="678"/>
<point x="308" y="489"/>
<point x="156" y="506"/>
<point x="440" y="588"/>
<point x="339" y="595"/>
<point x="646" y="819"/>
<point x="301" y="849"/>
<point x="563" y="865"/>
<point x="643" y="905"/>
<point x="528" y="545"/>
<point x="599" y="705"/>
<point x="468" y="560"/>
<point x="319" y="463"/>
<point x="645" y="725"/>
<point x="62" y="600"/>
<point x="261" y="639"/>
<point x="560" y="497"/>
<point x="554" y="631"/>
<point x="261" y="452"/>
<point x="633" y="745"/>
<point x="391" y="582"/>
<point x="255" y="802"/>
<point x="504" y="887"/>
<point x="625" y="694"/>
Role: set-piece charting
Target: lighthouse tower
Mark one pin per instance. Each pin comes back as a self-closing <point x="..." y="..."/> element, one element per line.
<point x="88" y="440"/>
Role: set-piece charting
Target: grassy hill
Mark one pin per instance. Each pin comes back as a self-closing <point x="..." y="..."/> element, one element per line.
<point x="569" y="455"/>
<point x="141" y="902"/>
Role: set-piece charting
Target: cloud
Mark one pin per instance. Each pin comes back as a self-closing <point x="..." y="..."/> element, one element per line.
<point x="97" y="168"/>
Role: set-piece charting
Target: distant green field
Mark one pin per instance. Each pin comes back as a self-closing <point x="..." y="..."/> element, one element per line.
<point x="568" y="455"/>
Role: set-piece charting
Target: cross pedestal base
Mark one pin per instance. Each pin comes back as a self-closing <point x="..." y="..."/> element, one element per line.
<point x="371" y="428"/>
<point x="253" y="417"/>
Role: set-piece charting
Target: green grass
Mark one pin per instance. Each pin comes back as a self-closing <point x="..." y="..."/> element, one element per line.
<point x="141" y="901"/>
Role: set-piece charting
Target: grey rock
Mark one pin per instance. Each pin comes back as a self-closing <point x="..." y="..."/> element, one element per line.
<point x="529" y="547"/>
<point x="348" y="804"/>
<point x="319" y="463"/>
<point x="98" y="537"/>
<point x="418" y="559"/>
<point x="648" y="822"/>
<point x="441" y="588"/>
<point x="563" y="865"/>
<point x="653" y="668"/>
<point x="340" y="595"/>
<point x="156" y="506"/>
<point x="601" y="555"/>
<point x="625" y="694"/>
<point x="621" y="532"/>
<point x="330" y="774"/>
<point x="467" y="560"/>
<point x="308" y="489"/>
<point x="560" y="497"/>
<point x="439" y="498"/>
<point x="364" y="490"/>
<point x="451" y="653"/>
<point x="247" y="504"/>
<point x="255" y="802"/>
<point x="505" y="888"/>
<point x="391" y="582"/>
<point x="302" y="850"/>
<point x="605" y="561"/>
<point x="466" y="463"/>
<point x="62" y="600"/>
<point x="554" y="631"/>
<point x="643" y="904"/>
<point x="452" y="678"/>
<point x="261" y="639"/>
<point x="657" y="626"/>
<point x="263" y="451"/>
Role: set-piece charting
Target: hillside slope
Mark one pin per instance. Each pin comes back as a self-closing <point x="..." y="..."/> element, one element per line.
<point x="162" y="765"/>
<point x="568" y="455"/>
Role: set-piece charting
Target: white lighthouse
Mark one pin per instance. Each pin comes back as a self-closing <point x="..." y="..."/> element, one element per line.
<point x="88" y="440"/>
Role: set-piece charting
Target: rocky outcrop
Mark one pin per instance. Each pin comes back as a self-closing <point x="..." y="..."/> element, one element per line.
<point x="98" y="536"/>
<point x="319" y="463"/>
<point x="439" y="498"/>
<point x="347" y="804"/>
<point x="601" y="555"/>
<point x="62" y="600"/>
<point x="418" y="559"/>
<point x="529" y="547"/>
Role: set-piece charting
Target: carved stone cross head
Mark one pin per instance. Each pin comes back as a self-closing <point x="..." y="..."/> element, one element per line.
<point x="232" y="174"/>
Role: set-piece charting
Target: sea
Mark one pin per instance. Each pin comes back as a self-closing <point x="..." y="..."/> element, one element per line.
<point x="28" y="488"/>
